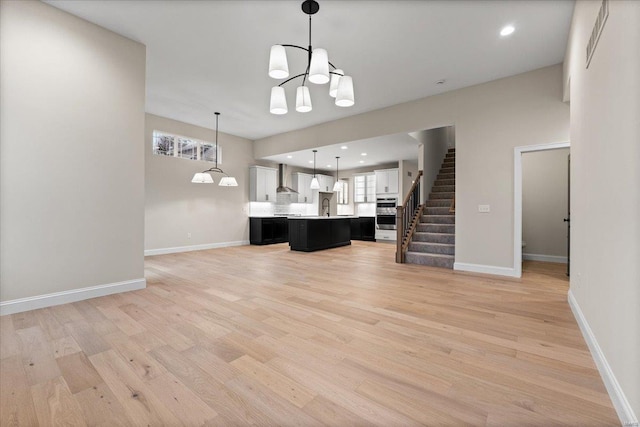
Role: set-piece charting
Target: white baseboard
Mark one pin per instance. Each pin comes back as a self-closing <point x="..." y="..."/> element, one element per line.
<point x="545" y="258"/>
<point x="486" y="269"/>
<point x="165" y="251"/>
<point x="64" y="297"/>
<point x="618" y="398"/>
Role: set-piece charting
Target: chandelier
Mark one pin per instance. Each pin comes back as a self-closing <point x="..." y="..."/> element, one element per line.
<point x="205" y="177"/>
<point x="317" y="72"/>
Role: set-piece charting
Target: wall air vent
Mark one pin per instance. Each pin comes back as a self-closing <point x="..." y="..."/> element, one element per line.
<point x="603" y="14"/>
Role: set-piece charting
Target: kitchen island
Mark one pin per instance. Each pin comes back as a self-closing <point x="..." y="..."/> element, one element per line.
<point x="310" y="234"/>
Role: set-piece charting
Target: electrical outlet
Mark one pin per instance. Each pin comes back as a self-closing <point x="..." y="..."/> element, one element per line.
<point x="484" y="208"/>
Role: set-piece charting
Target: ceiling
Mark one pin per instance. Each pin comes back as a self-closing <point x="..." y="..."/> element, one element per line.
<point x="206" y="56"/>
<point x="376" y="152"/>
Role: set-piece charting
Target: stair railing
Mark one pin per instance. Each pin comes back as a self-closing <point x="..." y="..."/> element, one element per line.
<point x="407" y="216"/>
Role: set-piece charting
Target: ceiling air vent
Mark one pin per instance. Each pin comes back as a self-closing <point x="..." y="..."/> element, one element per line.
<point x="597" y="30"/>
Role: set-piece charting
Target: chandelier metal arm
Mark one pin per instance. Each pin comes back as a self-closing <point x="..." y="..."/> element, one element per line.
<point x="307" y="50"/>
<point x="218" y="170"/>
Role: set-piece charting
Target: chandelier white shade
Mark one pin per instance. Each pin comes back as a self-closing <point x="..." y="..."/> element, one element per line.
<point x="319" y="68"/>
<point x="318" y="71"/>
<point x="344" y="95"/>
<point x="278" y="104"/>
<point x="335" y="79"/>
<point x="205" y="178"/>
<point x="202" y="178"/>
<point x="278" y="66"/>
<point x="228" y="181"/>
<point x="303" y="99"/>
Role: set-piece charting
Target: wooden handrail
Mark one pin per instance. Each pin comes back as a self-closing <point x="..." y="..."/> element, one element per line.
<point x="416" y="182"/>
<point x="407" y="218"/>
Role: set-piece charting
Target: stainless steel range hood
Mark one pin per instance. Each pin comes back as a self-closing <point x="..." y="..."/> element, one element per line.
<point x="281" y="187"/>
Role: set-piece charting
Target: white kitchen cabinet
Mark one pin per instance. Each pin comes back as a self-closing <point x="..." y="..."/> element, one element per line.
<point x="387" y="181"/>
<point x="364" y="188"/>
<point x="326" y="183"/>
<point x="301" y="182"/>
<point x="262" y="184"/>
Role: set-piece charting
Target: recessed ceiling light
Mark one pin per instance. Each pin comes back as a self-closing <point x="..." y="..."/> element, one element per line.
<point x="344" y="147"/>
<point x="310" y="161"/>
<point x="361" y="161"/>
<point x="289" y="157"/>
<point x="328" y="166"/>
<point x="363" y="154"/>
<point x="505" y="31"/>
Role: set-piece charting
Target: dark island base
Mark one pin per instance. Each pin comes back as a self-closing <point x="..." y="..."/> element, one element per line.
<point x="314" y="234"/>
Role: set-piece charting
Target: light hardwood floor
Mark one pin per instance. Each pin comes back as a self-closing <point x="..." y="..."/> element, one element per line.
<point x="266" y="336"/>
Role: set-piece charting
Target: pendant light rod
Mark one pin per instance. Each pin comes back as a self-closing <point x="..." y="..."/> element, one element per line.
<point x="314" y="162"/>
<point x="205" y="178"/>
<point x="315" y="184"/>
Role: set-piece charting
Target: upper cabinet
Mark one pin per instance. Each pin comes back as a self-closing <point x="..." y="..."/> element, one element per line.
<point x="364" y="188"/>
<point x="262" y="184"/>
<point x="387" y="181"/>
<point x="326" y="183"/>
<point x="301" y="182"/>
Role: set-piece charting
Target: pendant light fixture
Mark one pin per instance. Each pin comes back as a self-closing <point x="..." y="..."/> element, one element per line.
<point x="338" y="185"/>
<point x="205" y="177"/>
<point x="318" y="71"/>
<point x="315" y="184"/>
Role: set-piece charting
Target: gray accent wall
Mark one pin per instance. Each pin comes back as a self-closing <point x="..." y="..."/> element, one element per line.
<point x="545" y="194"/>
<point x="71" y="153"/>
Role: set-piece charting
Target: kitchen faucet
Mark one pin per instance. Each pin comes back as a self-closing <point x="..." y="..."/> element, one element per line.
<point x="328" y="205"/>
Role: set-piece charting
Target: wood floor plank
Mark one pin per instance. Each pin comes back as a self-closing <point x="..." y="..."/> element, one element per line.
<point x="267" y="336"/>
<point x="78" y="372"/>
<point x="55" y="405"/>
<point x="101" y="408"/>
<point x="139" y="403"/>
<point x="16" y="402"/>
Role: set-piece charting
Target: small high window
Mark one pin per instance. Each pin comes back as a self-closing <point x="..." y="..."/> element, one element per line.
<point x="166" y="144"/>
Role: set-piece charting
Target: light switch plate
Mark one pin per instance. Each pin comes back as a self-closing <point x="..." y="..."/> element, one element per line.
<point x="484" y="208"/>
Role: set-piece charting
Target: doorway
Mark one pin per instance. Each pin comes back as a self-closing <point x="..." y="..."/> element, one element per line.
<point x="518" y="206"/>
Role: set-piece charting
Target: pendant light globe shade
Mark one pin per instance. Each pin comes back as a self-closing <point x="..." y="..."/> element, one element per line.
<point x="335" y="79"/>
<point x="345" y="96"/>
<point x="202" y="178"/>
<point x="278" y="103"/>
<point x="315" y="184"/>
<point x="278" y="65"/>
<point x="337" y="186"/>
<point x="319" y="68"/>
<point x="228" y="181"/>
<point x="303" y="100"/>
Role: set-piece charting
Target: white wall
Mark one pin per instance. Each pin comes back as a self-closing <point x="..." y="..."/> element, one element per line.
<point x="605" y="172"/>
<point x="71" y="153"/>
<point x="490" y="119"/>
<point x="406" y="168"/>
<point x="175" y="207"/>
<point x="545" y="193"/>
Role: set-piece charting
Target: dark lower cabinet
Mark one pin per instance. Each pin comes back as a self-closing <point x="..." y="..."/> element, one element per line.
<point x="363" y="228"/>
<point x="309" y="234"/>
<point x="266" y="231"/>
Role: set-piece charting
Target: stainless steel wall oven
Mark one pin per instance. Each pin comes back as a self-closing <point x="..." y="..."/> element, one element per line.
<point x="386" y="213"/>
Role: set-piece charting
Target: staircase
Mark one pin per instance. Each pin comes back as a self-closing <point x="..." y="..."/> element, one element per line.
<point x="433" y="242"/>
